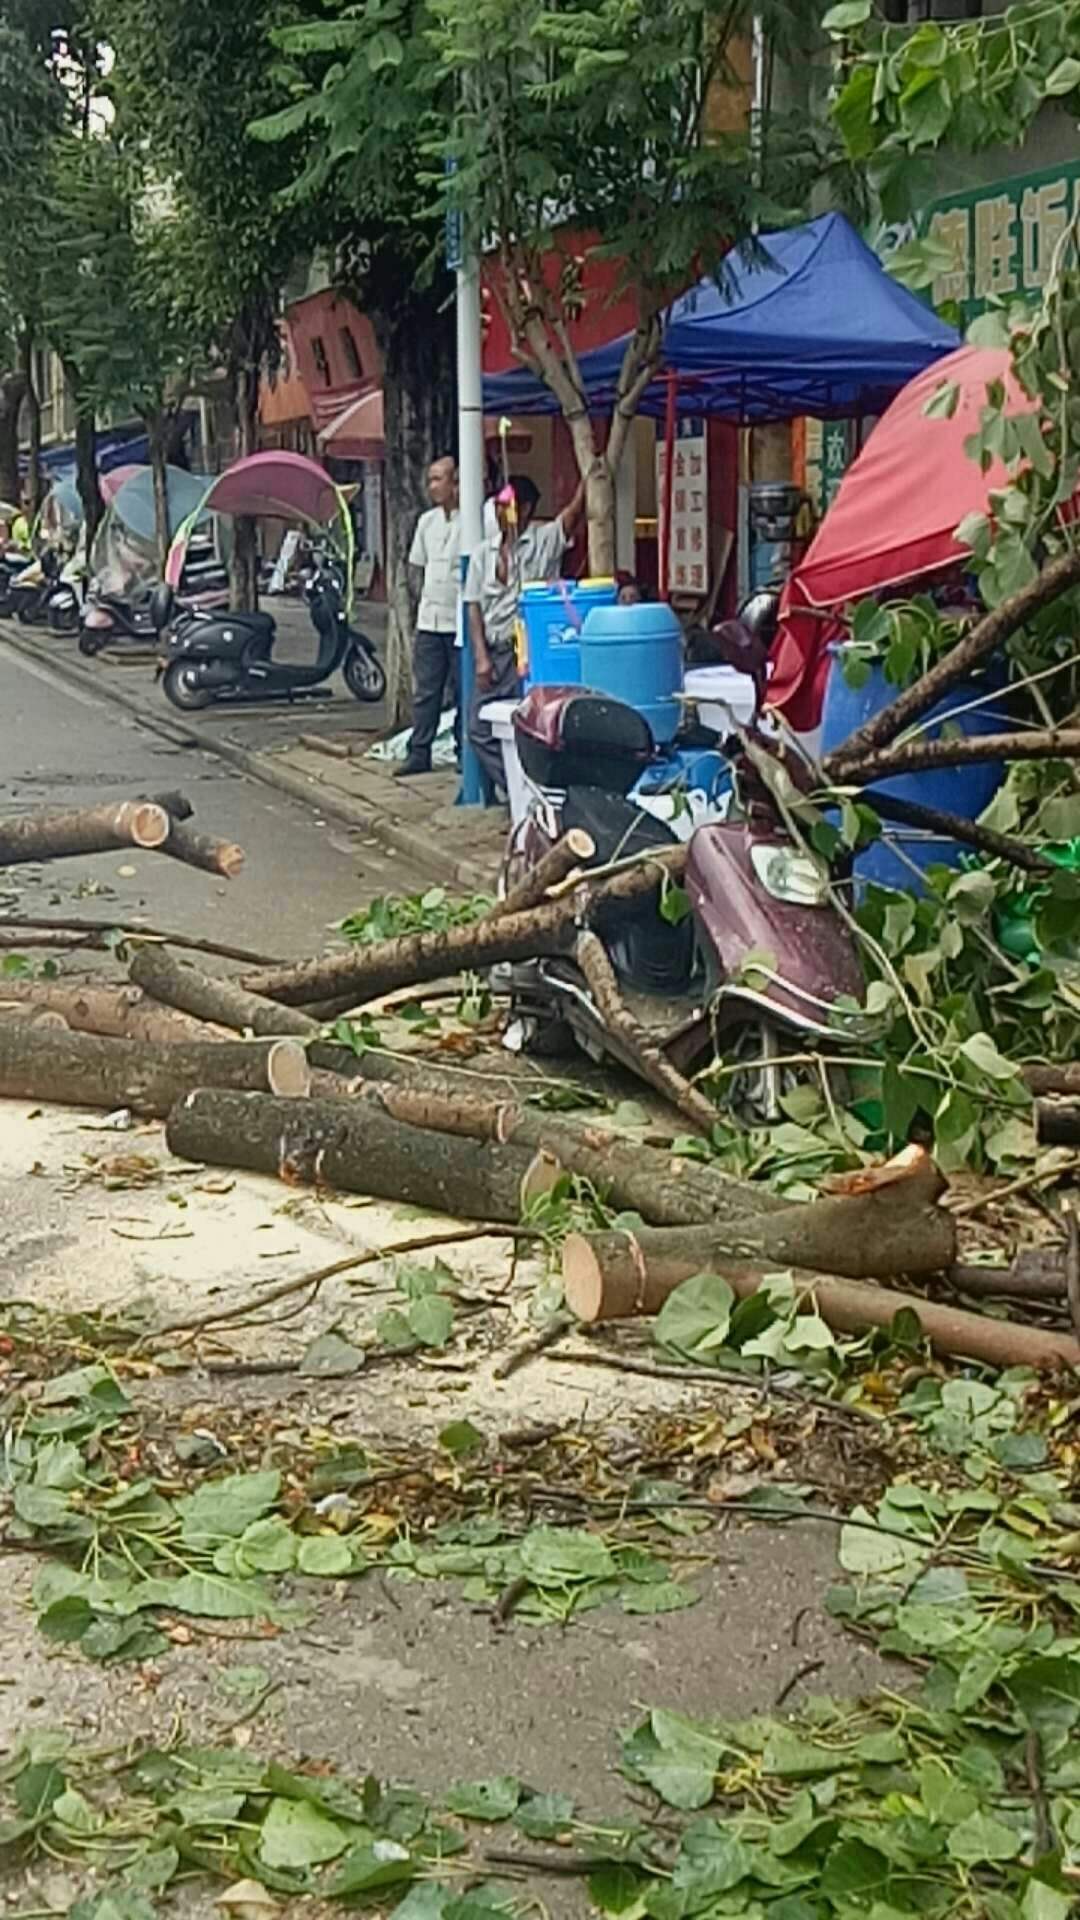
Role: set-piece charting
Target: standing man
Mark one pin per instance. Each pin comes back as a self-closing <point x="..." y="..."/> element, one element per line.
<point x="510" y="556"/>
<point x="435" y="554"/>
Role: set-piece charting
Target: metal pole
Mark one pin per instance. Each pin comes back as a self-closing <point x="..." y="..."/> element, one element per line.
<point x="667" y="497"/>
<point x="470" y="492"/>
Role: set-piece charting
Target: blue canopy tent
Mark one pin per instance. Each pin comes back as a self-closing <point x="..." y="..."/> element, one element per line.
<point x="812" y="325"/>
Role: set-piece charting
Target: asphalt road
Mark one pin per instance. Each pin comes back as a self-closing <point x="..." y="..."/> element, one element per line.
<point x="60" y="747"/>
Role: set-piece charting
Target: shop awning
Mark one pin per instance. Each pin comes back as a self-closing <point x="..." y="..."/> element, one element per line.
<point x="812" y="324"/>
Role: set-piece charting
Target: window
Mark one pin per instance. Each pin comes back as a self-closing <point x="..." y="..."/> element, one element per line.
<point x="322" y="364"/>
<point x="351" y="351"/>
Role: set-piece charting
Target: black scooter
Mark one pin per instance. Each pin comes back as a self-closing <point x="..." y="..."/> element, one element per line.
<point x="33" y="588"/>
<point x="229" y="656"/>
<point x="13" y="562"/>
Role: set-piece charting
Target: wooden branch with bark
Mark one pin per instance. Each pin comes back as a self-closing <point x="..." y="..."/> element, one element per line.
<point x="85" y="1070"/>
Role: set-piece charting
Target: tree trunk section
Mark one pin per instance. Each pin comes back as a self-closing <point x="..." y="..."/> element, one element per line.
<point x="604" y="1274"/>
<point x="202" y="850"/>
<point x="83" y="1070"/>
<point x="354" y="1149"/>
<point x="57" y="836"/>
<point x="119" y="1013"/>
<point x="206" y="997"/>
<point x="417" y="341"/>
<point x="920" y="756"/>
<point x="345" y="979"/>
<point x="600" y="511"/>
<point x="34" y="489"/>
<point x="87" y="481"/>
<point x="244" y="558"/>
<point x="649" y="1058"/>
<point x="1041" y="1080"/>
<point x="1057" y="1123"/>
<point x="156" y="433"/>
<point x="12" y="391"/>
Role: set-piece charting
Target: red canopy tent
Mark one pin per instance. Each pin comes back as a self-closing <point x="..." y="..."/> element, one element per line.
<point x="893" y="520"/>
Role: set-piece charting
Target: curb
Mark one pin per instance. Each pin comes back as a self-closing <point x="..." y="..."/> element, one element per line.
<point x="393" y="835"/>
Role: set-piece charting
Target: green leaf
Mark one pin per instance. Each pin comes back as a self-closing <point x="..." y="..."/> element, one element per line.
<point x="544" y="1815"/>
<point x="674" y="905"/>
<point x="1047" y="1692"/>
<point x="866" y="1552"/>
<point x="659" y="1596"/>
<point x="325" y="1554"/>
<point x="982" y="1837"/>
<point x="614" y="1888"/>
<point x="394" y="1330"/>
<point x="854" y="1872"/>
<point x="793" y="1758"/>
<point x="677" y="1757"/>
<point x="943" y="402"/>
<point x="82" y="1383"/>
<point x="381" y="1863"/>
<point x="296" y="1835"/>
<point x="696" y="1317"/>
<point x="983" y="1054"/>
<point x="222" y="1509"/>
<point x="847" y="14"/>
<point x="431" y="1320"/>
<point x="461" y="1439"/>
<point x="331" y="1357"/>
<point x="385" y="49"/>
<point x="210" y="1597"/>
<point x="1041" y="1902"/>
<point x="1063" y="78"/>
<point x="710" y="1861"/>
<point x="493" y="1799"/>
<point x="118" y="1903"/>
<point x="37" y="1789"/>
<point x="561" y="1556"/>
<point x="267" y="1546"/>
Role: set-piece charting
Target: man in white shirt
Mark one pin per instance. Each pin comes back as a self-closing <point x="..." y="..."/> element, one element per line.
<point x="436" y="553"/>
<point x="510" y="556"/>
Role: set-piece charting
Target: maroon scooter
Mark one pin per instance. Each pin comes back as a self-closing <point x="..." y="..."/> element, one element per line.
<point x="762" y="966"/>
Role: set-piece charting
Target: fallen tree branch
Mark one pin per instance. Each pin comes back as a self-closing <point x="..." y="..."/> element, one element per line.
<point x="346" y="980"/>
<point x="889" y="1230"/>
<point x="1057" y="1123"/>
<point x="597" y="1264"/>
<point x="84" y="1070"/>
<point x="358" y="1149"/>
<point x="532" y="1344"/>
<point x="567" y="856"/>
<point x="112" y="929"/>
<point x="650" y="1059"/>
<point x="1041" y="1080"/>
<point x="206" y="997"/>
<point x="923" y="755"/>
<point x="999" y="846"/>
<point x="983" y="639"/>
<point x="254" y="1304"/>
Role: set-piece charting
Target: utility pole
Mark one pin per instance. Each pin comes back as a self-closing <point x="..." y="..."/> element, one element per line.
<point x="470" y="385"/>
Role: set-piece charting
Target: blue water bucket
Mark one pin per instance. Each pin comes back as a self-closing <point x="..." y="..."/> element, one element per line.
<point x="635" y="654"/>
<point x="964" y="791"/>
<point x="554" y="613"/>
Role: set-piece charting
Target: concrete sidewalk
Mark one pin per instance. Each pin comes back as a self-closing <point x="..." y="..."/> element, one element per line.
<point x="313" y="750"/>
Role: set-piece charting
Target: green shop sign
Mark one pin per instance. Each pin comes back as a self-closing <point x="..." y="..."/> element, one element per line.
<point x="1001" y="238"/>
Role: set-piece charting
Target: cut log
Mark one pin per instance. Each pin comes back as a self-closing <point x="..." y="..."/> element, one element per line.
<point x="651" y="1061"/>
<point x="1037" y="1273"/>
<point x="1057" y="1123"/>
<point x="176" y="804"/>
<point x="206" y="997"/>
<point x="118" y="1013"/>
<point x="42" y="1019"/>
<point x="201" y="850"/>
<point x="596" y="1267"/>
<point x="567" y="856"/>
<point x="1043" y="1080"/>
<point x="923" y="755"/>
<point x="57" y="836"/>
<point x="84" y="1070"/>
<point x="345" y="980"/>
<point x="355" y="1149"/>
<point x="999" y="846"/>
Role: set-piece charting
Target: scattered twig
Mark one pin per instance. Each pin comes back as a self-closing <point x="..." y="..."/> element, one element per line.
<point x="801" y="1673"/>
<point x="532" y="1344"/>
<point x="1034" y="1177"/>
<point x="251" y="1712"/>
<point x="52" y="923"/>
<point x="712" y="1376"/>
<point x="227" y="1316"/>
<point x="512" y="1593"/>
<point x="572" y="1864"/>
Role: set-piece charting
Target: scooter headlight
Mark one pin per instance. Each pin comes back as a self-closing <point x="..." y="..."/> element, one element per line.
<point x="790" y="875"/>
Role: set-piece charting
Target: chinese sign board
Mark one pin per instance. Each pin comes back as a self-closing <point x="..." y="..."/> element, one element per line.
<point x="828" y="452"/>
<point x="688" y="541"/>
<point x="1001" y="238"/>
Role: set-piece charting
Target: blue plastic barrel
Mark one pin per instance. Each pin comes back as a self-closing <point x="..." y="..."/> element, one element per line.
<point x="554" y="612"/>
<point x="961" y="790"/>
<point x="635" y="654"/>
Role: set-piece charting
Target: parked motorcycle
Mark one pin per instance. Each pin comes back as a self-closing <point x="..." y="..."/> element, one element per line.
<point x="229" y="656"/>
<point x="107" y="617"/>
<point x="33" y="587"/>
<point x="13" y="563"/>
<point x="761" y="966"/>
